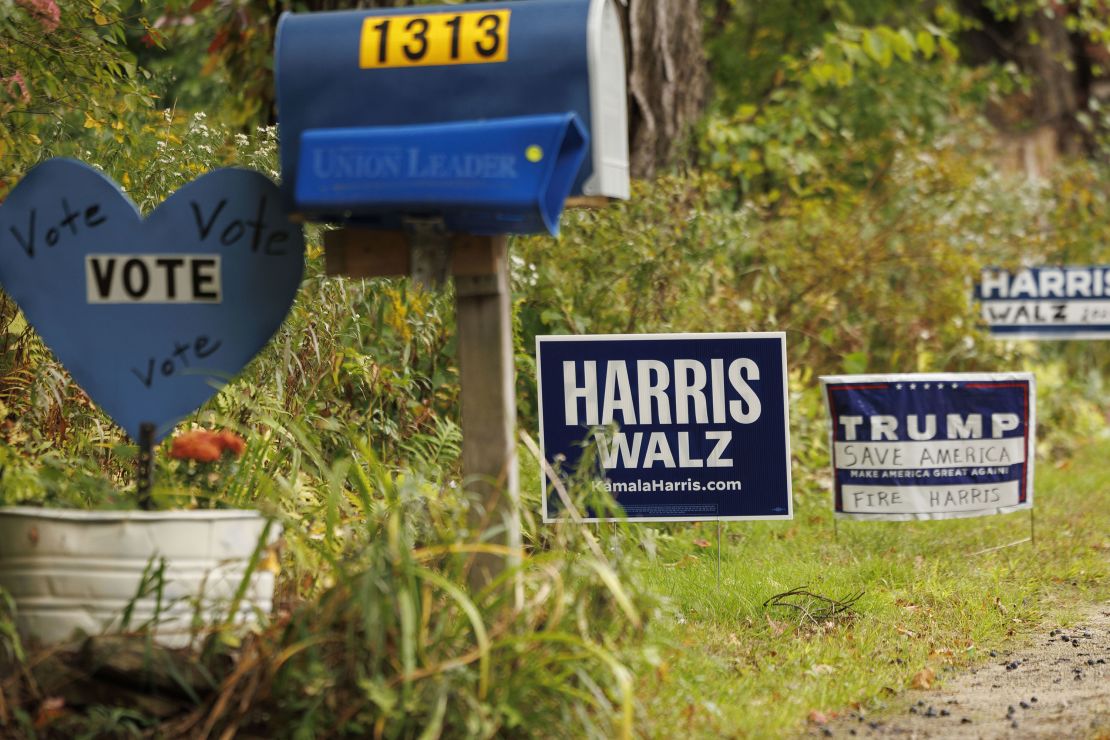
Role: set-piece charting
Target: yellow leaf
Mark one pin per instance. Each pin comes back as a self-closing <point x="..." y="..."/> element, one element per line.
<point x="270" y="562"/>
<point x="746" y="112"/>
<point x="91" y="122"/>
<point x="101" y="19"/>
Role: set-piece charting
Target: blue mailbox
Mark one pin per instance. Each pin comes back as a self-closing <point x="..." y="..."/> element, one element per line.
<point x="485" y="115"/>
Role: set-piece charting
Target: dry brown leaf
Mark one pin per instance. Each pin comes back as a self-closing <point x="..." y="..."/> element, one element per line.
<point x="818" y="717"/>
<point x="51" y="708"/>
<point x="941" y="653"/>
<point x="686" y="560"/>
<point x="923" y="679"/>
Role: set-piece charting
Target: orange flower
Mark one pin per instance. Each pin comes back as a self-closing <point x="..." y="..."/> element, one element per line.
<point x="232" y="442"/>
<point x="205" y="446"/>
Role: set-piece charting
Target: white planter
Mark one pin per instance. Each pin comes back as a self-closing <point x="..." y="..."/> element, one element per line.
<point x="71" y="570"/>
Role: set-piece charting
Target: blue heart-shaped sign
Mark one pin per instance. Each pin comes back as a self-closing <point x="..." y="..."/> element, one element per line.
<point x="150" y="316"/>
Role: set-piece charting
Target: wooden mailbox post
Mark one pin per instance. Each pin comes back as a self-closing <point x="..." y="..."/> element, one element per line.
<point x="483" y="316"/>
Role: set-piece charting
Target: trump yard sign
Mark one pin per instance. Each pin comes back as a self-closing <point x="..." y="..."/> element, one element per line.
<point x="931" y="446"/>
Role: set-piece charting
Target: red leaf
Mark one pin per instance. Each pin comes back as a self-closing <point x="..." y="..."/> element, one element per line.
<point x="219" y="42"/>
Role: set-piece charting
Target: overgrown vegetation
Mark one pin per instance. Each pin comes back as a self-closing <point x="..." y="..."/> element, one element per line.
<point x="843" y="189"/>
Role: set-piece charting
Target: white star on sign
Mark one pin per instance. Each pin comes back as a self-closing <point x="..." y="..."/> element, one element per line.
<point x="913" y="386"/>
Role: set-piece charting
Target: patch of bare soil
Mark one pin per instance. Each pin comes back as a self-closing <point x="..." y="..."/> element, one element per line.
<point x="1058" y="686"/>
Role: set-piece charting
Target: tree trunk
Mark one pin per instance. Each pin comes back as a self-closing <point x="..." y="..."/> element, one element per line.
<point x="667" y="78"/>
<point x="1056" y="61"/>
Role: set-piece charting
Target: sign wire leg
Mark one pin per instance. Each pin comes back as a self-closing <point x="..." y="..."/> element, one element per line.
<point x="1032" y="528"/>
<point x="836" y="530"/>
<point x="146" y="465"/>
<point x="718" y="555"/>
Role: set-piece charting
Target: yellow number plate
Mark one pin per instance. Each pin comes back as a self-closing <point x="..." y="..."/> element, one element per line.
<point x="473" y="37"/>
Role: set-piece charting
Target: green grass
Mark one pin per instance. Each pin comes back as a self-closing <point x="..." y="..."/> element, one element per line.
<point x="723" y="665"/>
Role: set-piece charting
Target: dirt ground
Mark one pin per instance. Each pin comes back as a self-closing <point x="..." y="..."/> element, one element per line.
<point x="1058" y="686"/>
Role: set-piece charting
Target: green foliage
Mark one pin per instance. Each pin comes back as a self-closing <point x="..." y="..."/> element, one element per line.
<point x="875" y="280"/>
<point x="211" y="56"/>
<point x="816" y="98"/>
<point x="62" y="66"/>
<point x="747" y="40"/>
<point x="395" y="642"/>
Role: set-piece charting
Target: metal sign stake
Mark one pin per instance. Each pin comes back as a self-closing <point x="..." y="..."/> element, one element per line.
<point x="145" y="472"/>
<point x="718" y="554"/>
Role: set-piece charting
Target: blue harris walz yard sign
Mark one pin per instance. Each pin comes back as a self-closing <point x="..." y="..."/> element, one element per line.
<point x="931" y="446"/>
<point x="682" y="427"/>
<point x="150" y="316"/>
<point x="1068" y="302"/>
